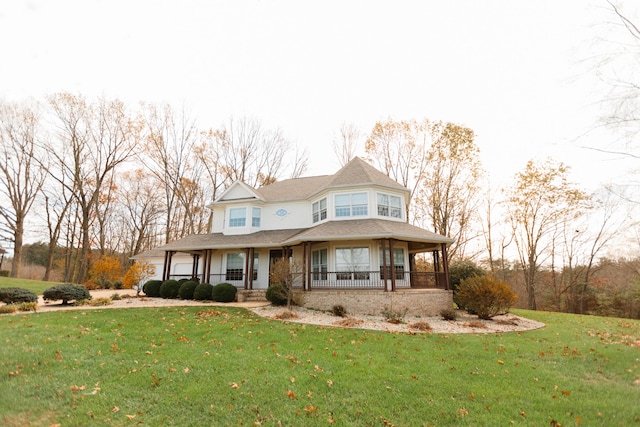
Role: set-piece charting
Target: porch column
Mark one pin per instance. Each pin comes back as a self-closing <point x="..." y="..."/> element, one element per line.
<point x="384" y="264"/>
<point x="195" y="265"/>
<point x="168" y="255"/>
<point x="304" y="265"/>
<point x="445" y="266"/>
<point x="251" y="266"/>
<point x="436" y="268"/>
<point x="206" y="266"/>
<point x="309" y="265"/>
<point x="392" y="266"/>
<point x="246" y="268"/>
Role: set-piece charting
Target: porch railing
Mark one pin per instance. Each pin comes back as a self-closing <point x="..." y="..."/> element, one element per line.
<point x="373" y="280"/>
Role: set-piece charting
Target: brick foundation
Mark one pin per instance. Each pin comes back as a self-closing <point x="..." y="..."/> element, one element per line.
<point x="419" y="302"/>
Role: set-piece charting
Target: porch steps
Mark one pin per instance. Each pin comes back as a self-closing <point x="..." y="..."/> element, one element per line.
<point x="253" y="295"/>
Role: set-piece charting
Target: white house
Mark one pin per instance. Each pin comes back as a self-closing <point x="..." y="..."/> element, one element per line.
<point x="347" y="232"/>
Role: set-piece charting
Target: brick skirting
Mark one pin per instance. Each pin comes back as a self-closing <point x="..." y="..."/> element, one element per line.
<point x="419" y="302"/>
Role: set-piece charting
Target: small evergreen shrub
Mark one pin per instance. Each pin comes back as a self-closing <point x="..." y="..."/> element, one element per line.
<point x="66" y="292"/>
<point x="169" y="289"/>
<point x="459" y="271"/>
<point x="486" y="296"/>
<point x="449" y="314"/>
<point x="152" y="288"/>
<point x="202" y="292"/>
<point x="17" y="295"/>
<point x="186" y="289"/>
<point x="339" y="310"/>
<point x="224" y="292"/>
<point x="277" y="294"/>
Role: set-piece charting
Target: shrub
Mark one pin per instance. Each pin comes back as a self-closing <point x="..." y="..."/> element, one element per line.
<point x="152" y="288"/>
<point x="394" y="316"/>
<point x="186" y="289"/>
<point x="421" y="326"/>
<point x="17" y="295"/>
<point x="460" y="270"/>
<point x="449" y="314"/>
<point x="277" y="294"/>
<point x="6" y="309"/>
<point x="339" y="310"/>
<point x="486" y="296"/>
<point x="28" y="306"/>
<point x="66" y="292"/>
<point x="4" y="273"/>
<point x="202" y="292"/>
<point x="169" y="289"/>
<point x="224" y="292"/>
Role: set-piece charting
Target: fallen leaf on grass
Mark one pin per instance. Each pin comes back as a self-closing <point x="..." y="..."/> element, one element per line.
<point x="77" y="388"/>
<point x="291" y="395"/>
<point x="234" y="385"/>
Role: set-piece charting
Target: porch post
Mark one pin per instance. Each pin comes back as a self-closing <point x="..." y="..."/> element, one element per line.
<point x="167" y="265"/>
<point x="304" y="265"/>
<point x="383" y="248"/>
<point x="436" y="267"/>
<point x="246" y="268"/>
<point x="206" y="267"/>
<point x="309" y="266"/>
<point x="251" y="266"/>
<point x="195" y="264"/>
<point x="445" y="266"/>
<point x="392" y="266"/>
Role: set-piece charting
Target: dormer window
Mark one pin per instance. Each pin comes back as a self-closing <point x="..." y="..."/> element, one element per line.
<point x="389" y="205"/>
<point x="320" y="210"/>
<point x="237" y="217"/>
<point x="354" y="204"/>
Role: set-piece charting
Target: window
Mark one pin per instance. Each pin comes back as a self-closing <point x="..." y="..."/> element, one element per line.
<point x="256" y="213"/>
<point x="398" y="263"/>
<point x="389" y="205"/>
<point x="237" y="217"/>
<point x="319" y="264"/>
<point x="256" y="263"/>
<point x="235" y="266"/>
<point x="354" y="204"/>
<point x="320" y="210"/>
<point x="352" y="263"/>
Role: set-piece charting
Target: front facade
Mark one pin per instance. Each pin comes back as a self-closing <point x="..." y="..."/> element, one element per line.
<point x="345" y="234"/>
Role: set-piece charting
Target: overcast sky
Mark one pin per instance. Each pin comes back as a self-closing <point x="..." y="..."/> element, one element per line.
<point x="513" y="71"/>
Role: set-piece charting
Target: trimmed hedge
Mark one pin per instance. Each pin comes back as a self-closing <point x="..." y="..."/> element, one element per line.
<point x="66" y="292"/>
<point x="17" y="295"/>
<point x="186" y="289"/>
<point x="202" y="292"/>
<point x="224" y="292"/>
<point x="169" y="289"/>
<point x="486" y="296"/>
<point x="152" y="288"/>
<point x="277" y="294"/>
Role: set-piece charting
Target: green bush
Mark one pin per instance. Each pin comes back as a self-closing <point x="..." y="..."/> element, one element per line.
<point x="486" y="296"/>
<point x="460" y="270"/>
<point x="17" y="295"/>
<point x="169" y="289"/>
<point x="277" y="294"/>
<point x="186" y="289"/>
<point x="224" y="292"/>
<point x="66" y="292"/>
<point x="202" y="292"/>
<point x="152" y="288"/>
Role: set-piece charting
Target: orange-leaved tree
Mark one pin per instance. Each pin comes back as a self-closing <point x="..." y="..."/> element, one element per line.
<point x="137" y="274"/>
<point x="105" y="271"/>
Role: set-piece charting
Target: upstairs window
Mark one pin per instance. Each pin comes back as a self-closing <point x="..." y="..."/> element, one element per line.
<point x="354" y="204"/>
<point x="389" y="205"/>
<point x="237" y="217"/>
<point x="256" y="213"/>
<point x="320" y="210"/>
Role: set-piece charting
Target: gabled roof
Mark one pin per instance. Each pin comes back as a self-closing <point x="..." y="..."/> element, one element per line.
<point x="238" y="190"/>
<point x="355" y="173"/>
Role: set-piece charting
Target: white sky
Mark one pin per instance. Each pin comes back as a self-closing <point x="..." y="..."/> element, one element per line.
<point x="510" y="70"/>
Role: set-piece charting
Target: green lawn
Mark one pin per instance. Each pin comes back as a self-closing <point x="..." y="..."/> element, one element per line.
<point x="223" y="366"/>
<point x="37" y="286"/>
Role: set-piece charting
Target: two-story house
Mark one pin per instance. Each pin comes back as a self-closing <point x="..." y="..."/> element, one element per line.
<point x="347" y="234"/>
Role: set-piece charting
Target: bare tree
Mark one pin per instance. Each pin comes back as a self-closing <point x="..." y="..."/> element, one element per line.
<point x="539" y="201"/>
<point x="22" y="173"/>
<point x="345" y="144"/>
<point x="93" y="140"/>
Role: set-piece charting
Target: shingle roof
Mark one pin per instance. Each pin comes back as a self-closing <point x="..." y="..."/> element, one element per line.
<point x="333" y="230"/>
<point x="356" y="172"/>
